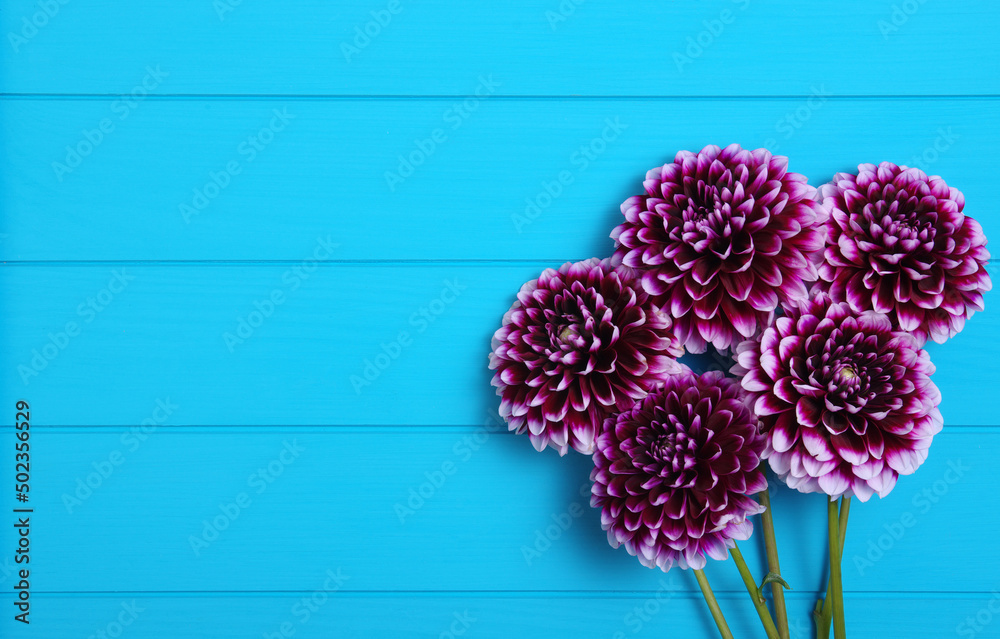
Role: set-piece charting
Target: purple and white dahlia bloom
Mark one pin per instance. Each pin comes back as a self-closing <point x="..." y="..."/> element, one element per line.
<point x="899" y="244"/>
<point x="845" y="398"/>
<point x="579" y="344"/>
<point x="722" y="237"/>
<point x="674" y="474"/>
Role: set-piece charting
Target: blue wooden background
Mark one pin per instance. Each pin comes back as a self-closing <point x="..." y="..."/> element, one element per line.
<point x="259" y="332"/>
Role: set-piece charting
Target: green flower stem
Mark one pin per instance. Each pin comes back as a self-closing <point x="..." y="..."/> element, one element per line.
<point x="758" y="601"/>
<point x="823" y="623"/>
<point x="713" y="605"/>
<point x="771" y="547"/>
<point x="836" y="592"/>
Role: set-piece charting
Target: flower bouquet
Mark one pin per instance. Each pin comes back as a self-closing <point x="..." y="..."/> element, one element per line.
<point x="821" y="299"/>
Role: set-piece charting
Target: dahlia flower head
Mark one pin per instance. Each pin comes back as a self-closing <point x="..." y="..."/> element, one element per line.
<point x="673" y="475"/>
<point x="899" y="244"/>
<point x="845" y="398"/>
<point x="722" y="237"/>
<point x="579" y="344"/>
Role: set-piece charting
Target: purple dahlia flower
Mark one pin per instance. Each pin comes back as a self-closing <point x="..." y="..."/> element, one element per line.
<point x="846" y="400"/>
<point x="578" y="345"/>
<point x="674" y="474"/>
<point x="899" y="244"/>
<point x="721" y="238"/>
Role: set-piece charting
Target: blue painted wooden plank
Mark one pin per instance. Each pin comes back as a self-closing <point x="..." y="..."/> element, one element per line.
<point x="534" y="47"/>
<point x="656" y="614"/>
<point x="306" y="343"/>
<point x="427" y="510"/>
<point x="215" y="180"/>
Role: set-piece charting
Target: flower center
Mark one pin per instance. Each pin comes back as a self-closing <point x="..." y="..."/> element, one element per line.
<point x="848" y="379"/>
<point x="703" y="205"/>
<point x="673" y="456"/>
<point x="899" y="216"/>
<point x="568" y="335"/>
<point x="663" y="448"/>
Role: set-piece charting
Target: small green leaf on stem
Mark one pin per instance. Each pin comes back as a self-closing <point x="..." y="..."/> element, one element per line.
<point x="771" y="578"/>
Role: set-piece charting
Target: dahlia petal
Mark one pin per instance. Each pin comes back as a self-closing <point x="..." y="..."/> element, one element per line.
<point x="816" y="444"/>
<point x="834" y="483"/>
<point x="680" y="302"/>
<point x="654" y="284"/>
<point x="555" y="408"/>
<point x="884" y="482"/>
<point x="910" y="317"/>
<point x="780" y="462"/>
<point x="768" y="404"/>
<point x="851" y="448"/>
<point x="817" y="468"/>
<point x="716" y="549"/>
<point x="763" y="299"/>
<point x="743" y="320"/>
<point x="836" y="423"/>
<point x="705" y="270"/>
<point x="904" y="462"/>
<point x="783" y="434"/>
<point x="753" y="382"/>
<point x="862" y="490"/>
<point x="788" y="345"/>
<point x="783" y="389"/>
<point x="738" y="284"/>
<point x="808" y="412"/>
<point x="538" y="442"/>
<point x="770" y="363"/>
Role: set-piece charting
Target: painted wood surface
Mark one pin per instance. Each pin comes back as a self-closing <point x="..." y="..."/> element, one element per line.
<point x="342" y="344"/>
<point x="252" y="257"/>
<point x="717" y="47"/>
<point x="658" y="613"/>
<point x="230" y="509"/>
<point x="419" y="179"/>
